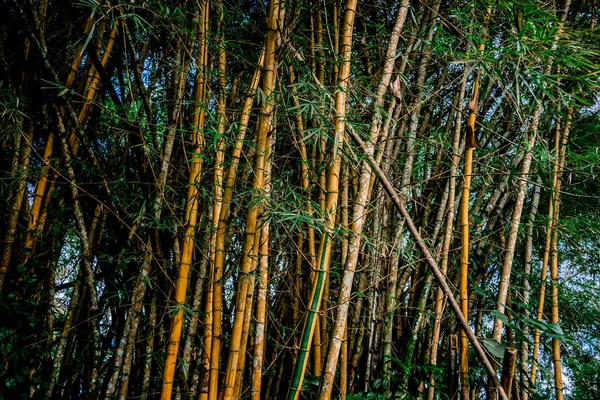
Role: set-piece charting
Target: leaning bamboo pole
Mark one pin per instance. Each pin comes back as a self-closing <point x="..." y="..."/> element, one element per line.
<point x="324" y="254"/>
<point x="191" y="209"/>
<point x="441" y="279"/>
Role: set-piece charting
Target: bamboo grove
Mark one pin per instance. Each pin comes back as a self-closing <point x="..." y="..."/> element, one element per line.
<point x="297" y="199"/>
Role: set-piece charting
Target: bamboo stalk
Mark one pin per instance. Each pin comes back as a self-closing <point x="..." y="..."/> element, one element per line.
<point x="439" y="296"/>
<point x="15" y="208"/>
<point x="324" y="254"/>
<point x="471" y="145"/>
<point x="528" y="254"/>
<point x="250" y="250"/>
<point x="191" y="212"/>
<point x="509" y="369"/>
<point x="558" y="381"/>
<point x="359" y="215"/>
<point x="261" y="303"/>
<point x="86" y="253"/>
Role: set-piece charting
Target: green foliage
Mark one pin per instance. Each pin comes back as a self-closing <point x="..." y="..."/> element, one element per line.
<point x="529" y="56"/>
<point x="366" y="396"/>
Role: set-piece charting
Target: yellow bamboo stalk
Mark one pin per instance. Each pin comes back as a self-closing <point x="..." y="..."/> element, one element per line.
<point x="218" y="256"/>
<point x="221" y="230"/>
<point x="318" y="69"/>
<point x="471" y="145"/>
<point x="94" y="85"/>
<point x="261" y="304"/>
<point x="558" y="381"/>
<point x="549" y="233"/>
<point x="321" y="334"/>
<point x="552" y="255"/>
<point x="250" y="251"/>
<point x="191" y="210"/>
<point x="464" y="251"/>
<point x="239" y="373"/>
<point x="439" y="297"/>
